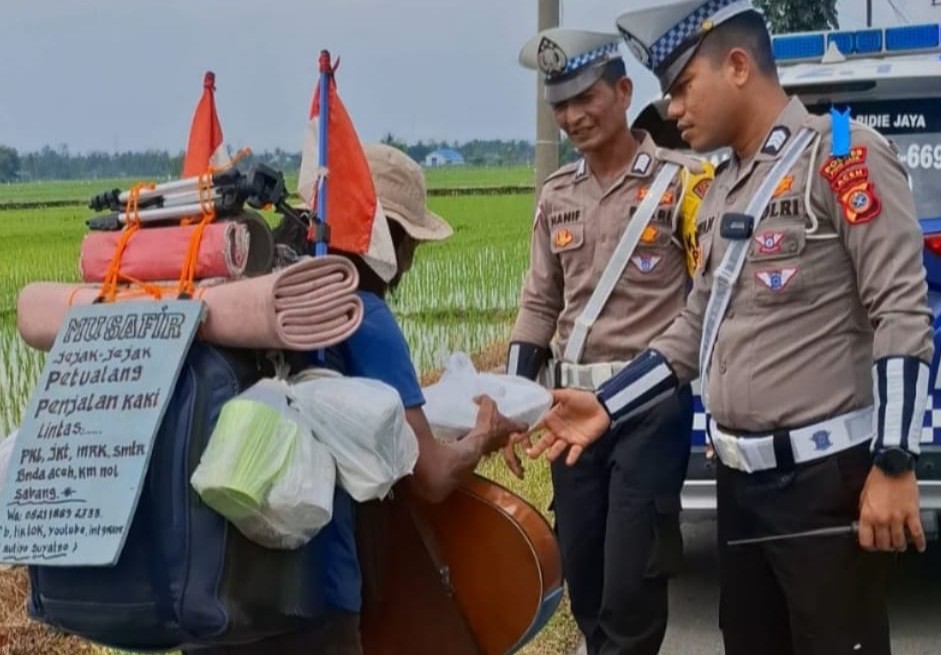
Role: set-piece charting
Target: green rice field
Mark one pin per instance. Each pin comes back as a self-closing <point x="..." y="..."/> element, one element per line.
<point x="437" y="178"/>
<point x="460" y="295"/>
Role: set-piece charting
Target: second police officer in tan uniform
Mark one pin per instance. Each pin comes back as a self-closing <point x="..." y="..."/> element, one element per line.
<point x="808" y="323"/>
<point x="608" y="272"/>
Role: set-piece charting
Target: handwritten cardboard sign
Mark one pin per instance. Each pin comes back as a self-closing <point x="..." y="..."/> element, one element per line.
<point x="82" y="451"/>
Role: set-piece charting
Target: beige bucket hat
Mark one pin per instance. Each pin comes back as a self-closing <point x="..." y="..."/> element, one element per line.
<point x="400" y="186"/>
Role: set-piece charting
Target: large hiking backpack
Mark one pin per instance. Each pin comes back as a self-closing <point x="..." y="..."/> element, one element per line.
<point x="186" y="577"/>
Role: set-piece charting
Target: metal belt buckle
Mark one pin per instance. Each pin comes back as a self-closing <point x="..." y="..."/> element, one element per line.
<point x="729" y="452"/>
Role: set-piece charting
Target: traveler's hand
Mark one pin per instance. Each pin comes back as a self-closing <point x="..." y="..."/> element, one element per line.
<point x="576" y="420"/>
<point x="887" y="507"/>
<point x="492" y="427"/>
<point x="511" y="457"/>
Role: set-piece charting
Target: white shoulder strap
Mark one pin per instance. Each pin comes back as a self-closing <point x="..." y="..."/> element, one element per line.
<point x="620" y="257"/>
<point x="731" y="267"/>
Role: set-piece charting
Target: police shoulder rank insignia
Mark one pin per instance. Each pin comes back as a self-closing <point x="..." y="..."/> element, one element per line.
<point x="776" y="280"/>
<point x="769" y="242"/>
<point x="645" y="263"/>
<point x="700" y="188"/>
<point x="551" y="57"/>
<point x="776" y="140"/>
<point x="860" y="203"/>
<point x="562" y="238"/>
<point x="641" y="164"/>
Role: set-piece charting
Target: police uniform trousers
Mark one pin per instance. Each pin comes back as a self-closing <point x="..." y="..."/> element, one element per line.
<point x="808" y="596"/>
<point x="617" y="519"/>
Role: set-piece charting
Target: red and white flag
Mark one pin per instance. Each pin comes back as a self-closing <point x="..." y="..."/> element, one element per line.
<point x="205" y="147"/>
<point x="354" y="213"/>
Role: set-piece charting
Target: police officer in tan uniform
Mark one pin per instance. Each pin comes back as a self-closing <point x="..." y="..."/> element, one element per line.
<point x="608" y="272"/>
<point x="809" y="327"/>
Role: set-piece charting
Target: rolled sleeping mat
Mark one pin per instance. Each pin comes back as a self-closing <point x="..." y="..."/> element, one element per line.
<point x="242" y="246"/>
<point x="309" y="305"/>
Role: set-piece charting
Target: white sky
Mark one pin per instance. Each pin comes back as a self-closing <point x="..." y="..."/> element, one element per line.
<point x="126" y="74"/>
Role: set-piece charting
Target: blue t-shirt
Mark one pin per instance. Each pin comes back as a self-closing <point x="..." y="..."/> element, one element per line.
<point x="377" y="350"/>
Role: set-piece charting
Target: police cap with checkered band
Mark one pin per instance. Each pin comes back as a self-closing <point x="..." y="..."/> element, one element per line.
<point x="570" y="60"/>
<point x="665" y="34"/>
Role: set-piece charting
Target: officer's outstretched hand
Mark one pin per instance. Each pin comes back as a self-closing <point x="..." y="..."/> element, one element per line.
<point x="575" y="421"/>
<point x="888" y="507"/>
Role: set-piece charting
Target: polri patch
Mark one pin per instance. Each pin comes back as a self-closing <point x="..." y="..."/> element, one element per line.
<point x="645" y="263"/>
<point x="850" y="177"/>
<point x="785" y="185"/>
<point x="666" y="199"/>
<point x="776" y="280"/>
<point x="769" y="243"/>
<point x="860" y="203"/>
<point x="649" y="235"/>
<point x="833" y="166"/>
<point x="563" y="237"/>
<point x="700" y="188"/>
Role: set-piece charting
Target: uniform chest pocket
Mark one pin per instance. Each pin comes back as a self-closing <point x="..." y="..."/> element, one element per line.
<point x="776" y="265"/>
<point x="704" y="258"/>
<point x="647" y="263"/>
<point x="567" y="242"/>
<point x="566" y="238"/>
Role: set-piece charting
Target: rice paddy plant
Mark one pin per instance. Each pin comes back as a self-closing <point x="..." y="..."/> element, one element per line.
<point x="83" y="190"/>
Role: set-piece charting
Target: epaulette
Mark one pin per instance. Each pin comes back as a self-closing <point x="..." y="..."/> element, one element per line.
<point x="692" y="164"/>
<point x="568" y="172"/>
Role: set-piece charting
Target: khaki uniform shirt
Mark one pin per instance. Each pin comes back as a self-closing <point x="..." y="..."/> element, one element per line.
<point x="577" y="227"/>
<point x="833" y="280"/>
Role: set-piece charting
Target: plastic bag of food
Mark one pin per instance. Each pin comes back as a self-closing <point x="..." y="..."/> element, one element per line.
<point x="450" y="406"/>
<point x="362" y="423"/>
<point x="264" y="471"/>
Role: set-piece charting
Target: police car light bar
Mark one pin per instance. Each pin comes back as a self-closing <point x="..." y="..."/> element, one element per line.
<point x="811" y="46"/>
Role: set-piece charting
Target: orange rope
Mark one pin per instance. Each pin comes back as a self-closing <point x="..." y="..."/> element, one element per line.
<point x="132" y="223"/>
<point x="188" y="271"/>
<point x="149" y="288"/>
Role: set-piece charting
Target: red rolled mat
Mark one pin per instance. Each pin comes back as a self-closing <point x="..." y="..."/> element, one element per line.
<point x="158" y="253"/>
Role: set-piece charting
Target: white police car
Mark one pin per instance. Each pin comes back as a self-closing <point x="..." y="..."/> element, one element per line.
<point x="891" y="80"/>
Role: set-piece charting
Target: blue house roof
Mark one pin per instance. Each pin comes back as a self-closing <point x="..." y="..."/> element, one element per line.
<point x="448" y="154"/>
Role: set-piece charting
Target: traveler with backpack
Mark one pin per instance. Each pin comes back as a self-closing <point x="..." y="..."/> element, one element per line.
<point x="378" y="350"/>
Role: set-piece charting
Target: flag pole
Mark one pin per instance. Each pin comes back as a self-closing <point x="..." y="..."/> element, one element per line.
<point x="326" y="78"/>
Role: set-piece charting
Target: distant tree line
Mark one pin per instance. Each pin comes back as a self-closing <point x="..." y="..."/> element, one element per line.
<point x="61" y="164"/>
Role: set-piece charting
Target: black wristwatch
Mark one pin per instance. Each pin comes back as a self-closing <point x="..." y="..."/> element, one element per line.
<point x="894" y="461"/>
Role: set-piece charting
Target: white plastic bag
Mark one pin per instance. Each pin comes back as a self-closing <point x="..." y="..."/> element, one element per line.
<point x="6" y="454"/>
<point x="264" y="471"/>
<point x="362" y="423"/>
<point x="450" y="406"/>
